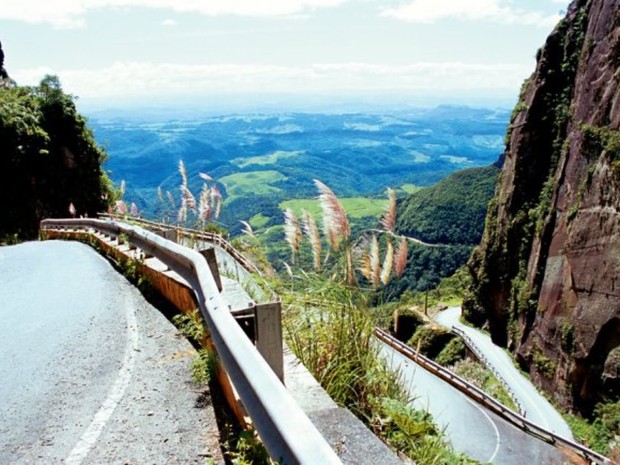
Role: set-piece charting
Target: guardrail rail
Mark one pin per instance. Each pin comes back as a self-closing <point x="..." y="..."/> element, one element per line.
<point x="480" y="356"/>
<point x="207" y="236"/>
<point x="288" y="434"/>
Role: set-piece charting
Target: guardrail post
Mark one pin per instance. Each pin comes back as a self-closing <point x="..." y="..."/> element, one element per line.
<point x="209" y="255"/>
<point x="170" y="234"/>
<point x="269" y="336"/>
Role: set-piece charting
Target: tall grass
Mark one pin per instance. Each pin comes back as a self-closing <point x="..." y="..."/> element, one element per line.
<point x="329" y="319"/>
<point x="344" y="253"/>
<point x="190" y="211"/>
<point x="312" y="231"/>
<point x="329" y="326"/>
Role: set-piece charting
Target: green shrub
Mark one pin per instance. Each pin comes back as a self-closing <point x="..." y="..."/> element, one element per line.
<point x="204" y="366"/>
<point x="568" y="338"/>
<point x="482" y="378"/>
<point x="544" y="364"/>
<point x="414" y="433"/>
<point x="602" y="432"/>
<point x="430" y="340"/>
<point x="453" y="352"/>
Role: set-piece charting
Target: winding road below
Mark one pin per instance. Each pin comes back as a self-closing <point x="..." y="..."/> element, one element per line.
<point x="92" y="373"/>
<point x="537" y="409"/>
<point x="470" y="428"/>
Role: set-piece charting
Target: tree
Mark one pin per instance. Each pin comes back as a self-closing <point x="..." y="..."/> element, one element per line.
<point x="48" y="159"/>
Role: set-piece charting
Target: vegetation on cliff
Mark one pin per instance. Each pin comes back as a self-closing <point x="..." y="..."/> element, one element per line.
<point x="50" y="164"/>
<point x="544" y="276"/>
<point x="501" y="292"/>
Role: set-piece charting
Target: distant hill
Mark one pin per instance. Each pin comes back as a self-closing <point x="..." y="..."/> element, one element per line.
<point x="48" y="160"/>
<point x="450" y="213"/>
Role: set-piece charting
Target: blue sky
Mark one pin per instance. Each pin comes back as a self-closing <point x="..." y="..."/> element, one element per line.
<point x="129" y="52"/>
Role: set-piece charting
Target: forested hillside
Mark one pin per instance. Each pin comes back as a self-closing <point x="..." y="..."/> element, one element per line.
<point x="452" y="211"/>
<point x="449" y="217"/>
<point x="262" y="160"/>
<point x="49" y="159"/>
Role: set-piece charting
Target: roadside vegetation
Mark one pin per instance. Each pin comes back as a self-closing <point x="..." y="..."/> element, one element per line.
<point x="329" y="326"/>
<point x="601" y="432"/>
<point x="481" y="377"/>
<point x="329" y="294"/>
<point x="240" y="446"/>
<point x="448" y="350"/>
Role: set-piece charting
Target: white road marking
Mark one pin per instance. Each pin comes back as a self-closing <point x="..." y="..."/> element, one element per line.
<point x="94" y="430"/>
<point x="401" y="361"/>
<point x="498" y="439"/>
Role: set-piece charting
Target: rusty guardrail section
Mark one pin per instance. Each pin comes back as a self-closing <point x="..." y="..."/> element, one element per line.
<point x="288" y="434"/>
<point x="489" y="402"/>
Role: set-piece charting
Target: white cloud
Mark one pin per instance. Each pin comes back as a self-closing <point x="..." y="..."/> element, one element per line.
<point x="60" y="13"/>
<point x="169" y="22"/>
<point x="430" y="11"/>
<point x="70" y="13"/>
<point x="127" y="80"/>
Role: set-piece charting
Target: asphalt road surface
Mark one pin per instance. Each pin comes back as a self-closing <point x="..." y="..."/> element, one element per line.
<point x="470" y="428"/>
<point x="91" y="373"/>
<point x="537" y="409"/>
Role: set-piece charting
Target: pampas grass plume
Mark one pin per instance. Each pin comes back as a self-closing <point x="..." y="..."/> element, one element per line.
<point x="400" y="261"/>
<point x="388" y="220"/>
<point x="247" y="229"/>
<point x="375" y="262"/>
<point x="388" y="262"/>
<point x="335" y="221"/>
<point x="292" y="232"/>
<point x="312" y="231"/>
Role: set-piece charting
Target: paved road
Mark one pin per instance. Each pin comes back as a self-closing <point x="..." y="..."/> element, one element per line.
<point x="91" y="373"/>
<point x="470" y="428"/>
<point x="537" y="408"/>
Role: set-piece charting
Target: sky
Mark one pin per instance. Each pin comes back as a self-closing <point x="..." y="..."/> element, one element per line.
<point x="136" y="52"/>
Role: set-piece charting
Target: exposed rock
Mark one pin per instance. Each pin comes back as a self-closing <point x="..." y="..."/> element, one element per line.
<point x="546" y="274"/>
<point x="3" y="74"/>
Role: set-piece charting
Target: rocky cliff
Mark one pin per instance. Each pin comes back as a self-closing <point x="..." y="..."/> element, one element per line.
<point x="547" y="273"/>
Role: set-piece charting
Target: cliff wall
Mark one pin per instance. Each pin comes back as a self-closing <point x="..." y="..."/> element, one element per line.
<point x="547" y="273"/>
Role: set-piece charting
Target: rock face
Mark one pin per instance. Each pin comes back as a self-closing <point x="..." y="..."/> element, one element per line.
<point x="547" y="273"/>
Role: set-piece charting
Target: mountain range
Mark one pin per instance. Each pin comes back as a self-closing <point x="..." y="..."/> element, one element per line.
<point x="261" y="160"/>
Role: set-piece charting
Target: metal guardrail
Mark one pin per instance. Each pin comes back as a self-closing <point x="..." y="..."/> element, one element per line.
<point x="288" y="434"/>
<point x="489" y="402"/>
<point x="480" y="356"/>
<point x="207" y="236"/>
